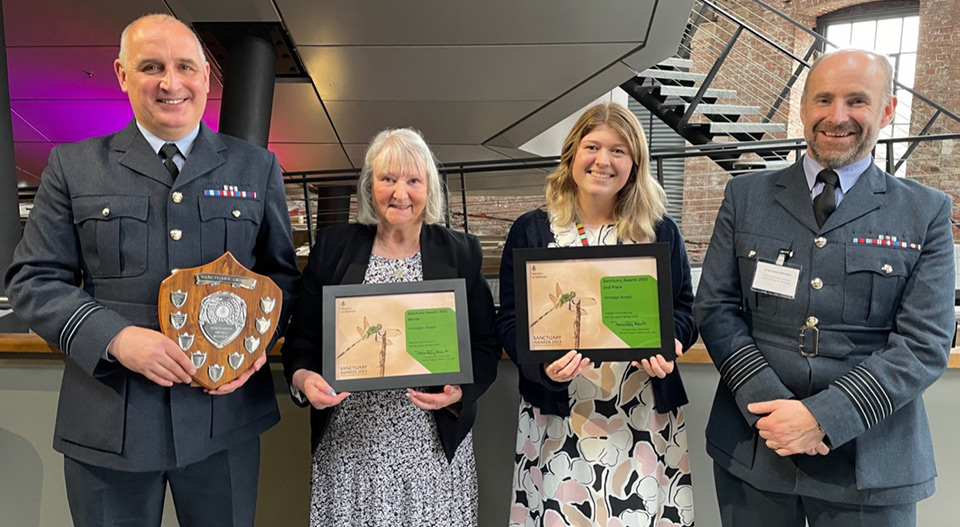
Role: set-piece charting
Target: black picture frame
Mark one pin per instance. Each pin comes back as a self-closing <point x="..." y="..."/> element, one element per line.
<point x="659" y="252"/>
<point x="332" y="295"/>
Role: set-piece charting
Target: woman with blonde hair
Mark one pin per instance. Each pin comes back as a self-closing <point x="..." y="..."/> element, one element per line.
<point x="601" y="445"/>
<point x="392" y="457"/>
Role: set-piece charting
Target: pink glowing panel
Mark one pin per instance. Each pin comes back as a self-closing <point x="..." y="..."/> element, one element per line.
<point x="69" y="73"/>
<point x="63" y="73"/>
<point x="23" y="132"/>
<point x="71" y="121"/>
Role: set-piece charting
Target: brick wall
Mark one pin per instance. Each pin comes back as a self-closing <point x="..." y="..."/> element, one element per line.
<point x="757" y="73"/>
<point x="937" y="77"/>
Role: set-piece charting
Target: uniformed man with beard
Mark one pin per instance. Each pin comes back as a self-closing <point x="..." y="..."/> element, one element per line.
<point x="826" y="303"/>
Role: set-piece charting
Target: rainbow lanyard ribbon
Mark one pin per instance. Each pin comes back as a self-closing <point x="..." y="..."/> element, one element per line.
<point x="582" y="231"/>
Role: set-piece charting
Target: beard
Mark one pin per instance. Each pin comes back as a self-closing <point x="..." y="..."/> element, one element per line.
<point x="835" y="156"/>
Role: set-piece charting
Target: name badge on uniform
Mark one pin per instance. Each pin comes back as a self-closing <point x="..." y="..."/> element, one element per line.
<point x="777" y="278"/>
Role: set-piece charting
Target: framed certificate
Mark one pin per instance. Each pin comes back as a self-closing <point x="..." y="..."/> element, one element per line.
<point x="400" y="335"/>
<point x="611" y="303"/>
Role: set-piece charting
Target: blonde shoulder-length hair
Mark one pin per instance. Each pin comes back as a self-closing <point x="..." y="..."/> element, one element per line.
<point x="640" y="204"/>
<point x="405" y="149"/>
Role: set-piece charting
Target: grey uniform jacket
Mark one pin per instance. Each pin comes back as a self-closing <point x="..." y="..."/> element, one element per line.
<point x="885" y="320"/>
<point x="99" y="241"/>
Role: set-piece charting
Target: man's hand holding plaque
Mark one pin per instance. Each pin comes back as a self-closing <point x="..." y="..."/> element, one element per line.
<point x="221" y="315"/>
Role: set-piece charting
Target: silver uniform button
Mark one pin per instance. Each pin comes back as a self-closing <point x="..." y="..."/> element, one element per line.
<point x="236" y="213"/>
<point x="820" y="241"/>
<point x="886" y="269"/>
<point x="812" y="321"/>
<point x="176" y="234"/>
<point x="751" y="254"/>
<point x="177" y="197"/>
<point x="816" y="283"/>
<point x="105" y="212"/>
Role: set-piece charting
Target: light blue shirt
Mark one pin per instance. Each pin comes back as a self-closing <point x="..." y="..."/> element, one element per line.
<point x="848" y="176"/>
<point x="184" y="144"/>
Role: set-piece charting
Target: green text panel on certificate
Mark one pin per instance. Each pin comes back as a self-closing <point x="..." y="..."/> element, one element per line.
<point x="631" y="309"/>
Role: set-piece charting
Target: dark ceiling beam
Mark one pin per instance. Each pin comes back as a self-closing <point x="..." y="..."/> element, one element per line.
<point x="9" y="207"/>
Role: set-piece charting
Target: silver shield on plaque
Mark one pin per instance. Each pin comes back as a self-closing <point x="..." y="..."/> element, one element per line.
<point x="215" y="372"/>
<point x="222" y="317"/>
<point x="251" y="344"/>
<point x="185" y="340"/>
<point x="198" y="358"/>
<point x="177" y="298"/>
<point x="267" y="304"/>
<point x="235" y="360"/>
<point x="262" y="324"/>
<point x="178" y="319"/>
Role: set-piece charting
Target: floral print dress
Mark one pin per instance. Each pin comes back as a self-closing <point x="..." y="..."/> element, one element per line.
<point x="615" y="461"/>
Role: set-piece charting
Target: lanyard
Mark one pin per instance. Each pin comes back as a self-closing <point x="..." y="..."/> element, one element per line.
<point x="583" y="235"/>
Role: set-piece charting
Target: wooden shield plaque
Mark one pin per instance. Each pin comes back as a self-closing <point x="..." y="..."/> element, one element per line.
<point x="222" y="315"/>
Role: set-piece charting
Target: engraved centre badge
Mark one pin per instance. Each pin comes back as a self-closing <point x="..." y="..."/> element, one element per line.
<point x="222" y="315"/>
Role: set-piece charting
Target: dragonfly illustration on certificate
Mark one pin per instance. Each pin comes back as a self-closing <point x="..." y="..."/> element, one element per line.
<point x="378" y="334"/>
<point x="572" y="303"/>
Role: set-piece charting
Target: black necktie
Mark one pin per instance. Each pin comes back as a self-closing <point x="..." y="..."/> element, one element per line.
<point x="826" y="202"/>
<point x="167" y="152"/>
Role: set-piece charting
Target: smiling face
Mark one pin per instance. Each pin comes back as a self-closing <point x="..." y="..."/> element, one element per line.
<point x="165" y="77"/>
<point x="602" y="164"/>
<point x="400" y="194"/>
<point x="844" y="107"/>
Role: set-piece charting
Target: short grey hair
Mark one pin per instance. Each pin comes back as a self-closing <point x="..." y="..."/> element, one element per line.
<point x="404" y="148"/>
<point x="882" y="60"/>
<point x="163" y="19"/>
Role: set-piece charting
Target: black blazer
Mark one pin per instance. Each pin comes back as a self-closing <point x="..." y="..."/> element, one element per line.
<point x="340" y="256"/>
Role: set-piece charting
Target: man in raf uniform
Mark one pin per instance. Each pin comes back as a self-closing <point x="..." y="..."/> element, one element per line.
<point x="113" y="216"/>
<point x="826" y="303"/>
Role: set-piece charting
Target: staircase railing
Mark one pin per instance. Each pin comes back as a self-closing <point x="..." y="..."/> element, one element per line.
<point x="745" y="46"/>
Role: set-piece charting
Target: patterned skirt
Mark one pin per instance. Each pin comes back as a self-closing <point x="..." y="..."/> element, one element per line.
<point x="380" y="463"/>
<point x="614" y="462"/>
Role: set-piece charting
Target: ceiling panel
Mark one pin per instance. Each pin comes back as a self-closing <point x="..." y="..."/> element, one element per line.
<point x="70" y="73"/>
<point x="23" y="132"/>
<point x="298" y="116"/>
<point x="462" y="72"/>
<point x="224" y="10"/>
<point x="572" y="101"/>
<point x="451" y="122"/>
<point x="69" y="121"/>
<point x="665" y="35"/>
<point x="32" y="157"/>
<point x="513" y="153"/>
<point x="499" y="73"/>
<point x="442" y="22"/>
<point x="43" y="73"/>
<point x="72" y="23"/>
<point x="305" y="156"/>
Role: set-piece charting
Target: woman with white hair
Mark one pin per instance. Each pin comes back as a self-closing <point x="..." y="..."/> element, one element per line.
<point x="392" y="457"/>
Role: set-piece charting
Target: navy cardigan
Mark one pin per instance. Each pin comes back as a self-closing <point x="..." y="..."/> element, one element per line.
<point x="533" y="230"/>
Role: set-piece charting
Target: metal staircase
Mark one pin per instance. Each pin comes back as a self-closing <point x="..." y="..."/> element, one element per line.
<point x="734" y="98"/>
<point x="670" y="91"/>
